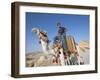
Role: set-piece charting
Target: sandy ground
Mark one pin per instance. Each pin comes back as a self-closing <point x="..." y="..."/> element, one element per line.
<point x="39" y="59"/>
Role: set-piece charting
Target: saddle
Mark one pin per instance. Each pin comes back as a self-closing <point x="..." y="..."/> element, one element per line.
<point x="71" y="46"/>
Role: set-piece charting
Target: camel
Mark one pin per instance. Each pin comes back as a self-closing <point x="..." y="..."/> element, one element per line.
<point x="47" y="49"/>
<point x="58" y="47"/>
<point x="75" y="57"/>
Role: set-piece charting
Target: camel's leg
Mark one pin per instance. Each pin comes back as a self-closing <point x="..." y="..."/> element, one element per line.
<point x="68" y="61"/>
<point x="75" y="59"/>
<point x="78" y="57"/>
<point x="62" y="58"/>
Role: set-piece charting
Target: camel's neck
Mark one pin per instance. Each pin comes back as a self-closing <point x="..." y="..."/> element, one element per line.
<point x="44" y="43"/>
<point x="44" y="46"/>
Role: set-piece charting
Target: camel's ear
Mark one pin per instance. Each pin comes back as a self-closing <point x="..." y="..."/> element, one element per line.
<point x="33" y="30"/>
<point x="45" y="32"/>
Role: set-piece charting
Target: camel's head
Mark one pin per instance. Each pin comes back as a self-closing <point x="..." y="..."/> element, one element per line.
<point x="41" y="34"/>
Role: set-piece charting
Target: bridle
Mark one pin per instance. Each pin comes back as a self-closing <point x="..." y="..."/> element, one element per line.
<point x="43" y="36"/>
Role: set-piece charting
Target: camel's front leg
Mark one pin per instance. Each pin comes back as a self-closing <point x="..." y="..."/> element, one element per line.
<point x="67" y="61"/>
<point x="79" y="59"/>
<point x="62" y="58"/>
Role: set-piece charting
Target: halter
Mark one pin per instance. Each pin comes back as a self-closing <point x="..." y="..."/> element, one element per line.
<point x="43" y="36"/>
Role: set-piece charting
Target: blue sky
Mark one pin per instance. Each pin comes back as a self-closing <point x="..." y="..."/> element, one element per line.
<point x="77" y="25"/>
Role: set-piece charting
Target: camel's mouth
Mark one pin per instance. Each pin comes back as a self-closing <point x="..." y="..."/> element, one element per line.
<point x="34" y="30"/>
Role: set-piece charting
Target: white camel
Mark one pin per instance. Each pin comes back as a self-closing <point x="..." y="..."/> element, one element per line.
<point x="47" y="49"/>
